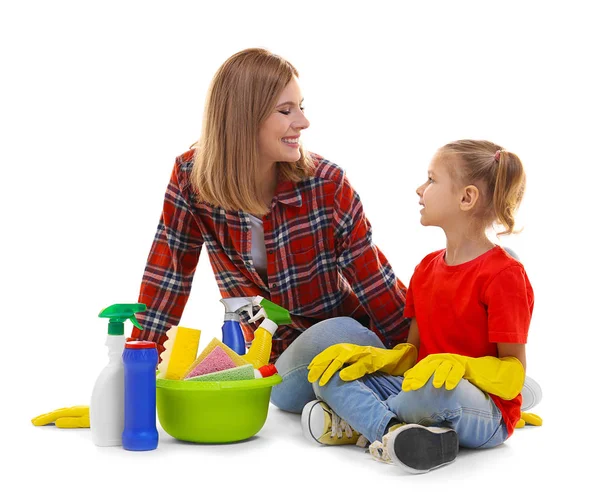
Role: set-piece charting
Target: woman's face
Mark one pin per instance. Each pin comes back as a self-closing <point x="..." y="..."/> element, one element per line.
<point x="279" y="134"/>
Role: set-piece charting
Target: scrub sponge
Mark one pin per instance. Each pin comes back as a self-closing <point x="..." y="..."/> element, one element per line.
<point x="214" y="343"/>
<point x="215" y="361"/>
<point x="234" y="374"/>
<point x="180" y="351"/>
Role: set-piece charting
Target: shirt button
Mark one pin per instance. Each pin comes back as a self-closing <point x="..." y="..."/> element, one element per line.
<point x="273" y="285"/>
<point x="270" y="252"/>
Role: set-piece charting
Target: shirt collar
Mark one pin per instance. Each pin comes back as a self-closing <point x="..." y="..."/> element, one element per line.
<point x="287" y="192"/>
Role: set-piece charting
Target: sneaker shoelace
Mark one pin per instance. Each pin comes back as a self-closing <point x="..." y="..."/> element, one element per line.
<point x="379" y="451"/>
<point x="339" y="427"/>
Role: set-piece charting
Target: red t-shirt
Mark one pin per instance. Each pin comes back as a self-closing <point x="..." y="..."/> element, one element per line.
<point x="468" y="308"/>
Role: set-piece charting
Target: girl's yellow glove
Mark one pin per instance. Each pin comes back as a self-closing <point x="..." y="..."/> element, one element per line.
<point x="529" y="418"/>
<point x="503" y="377"/>
<point x="360" y="360"/>
<point x="67" y="417"/>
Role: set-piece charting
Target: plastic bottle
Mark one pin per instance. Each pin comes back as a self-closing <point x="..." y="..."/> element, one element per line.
<point x="265" y="371"/>
<point x="140" y="359"/>
<point x="107" y="404"/>
<point x="260" y="350"/>
<point x="231" y="330"/>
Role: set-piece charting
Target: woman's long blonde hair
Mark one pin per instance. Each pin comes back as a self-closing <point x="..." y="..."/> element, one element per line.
<point x="243" y="93"/>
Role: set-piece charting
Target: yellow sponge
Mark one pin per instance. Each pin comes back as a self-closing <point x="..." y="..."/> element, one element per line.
<point x="180" y="351"/>
<point x="237" y="359"/>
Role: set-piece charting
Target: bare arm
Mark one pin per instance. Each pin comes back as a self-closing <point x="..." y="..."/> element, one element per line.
<point x="413" y="334"/>
<point x="505" y="349"/>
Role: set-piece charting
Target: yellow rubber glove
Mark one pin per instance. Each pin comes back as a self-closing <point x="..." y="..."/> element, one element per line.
<point x="503" y="377"/>
<point x="361" y="360"/>
<point x="67" y="417"/>
<point x="529" y="418"/>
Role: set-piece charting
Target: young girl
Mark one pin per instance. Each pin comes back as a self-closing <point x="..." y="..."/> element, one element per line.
<point x="470" y="305"/>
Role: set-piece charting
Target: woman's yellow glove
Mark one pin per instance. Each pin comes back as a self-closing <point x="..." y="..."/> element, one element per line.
<point x="361" y="360"/>
<point x="67" y="417"/>
<point x="503" y="377"/>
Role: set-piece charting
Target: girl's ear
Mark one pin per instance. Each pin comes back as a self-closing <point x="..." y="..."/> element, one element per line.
<point x="469" y="197"/>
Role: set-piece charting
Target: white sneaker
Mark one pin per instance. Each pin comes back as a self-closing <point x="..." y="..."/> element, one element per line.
<point x="419" y="449"/>
<point x="531" y="393"/>
<point x="323" y="426"/>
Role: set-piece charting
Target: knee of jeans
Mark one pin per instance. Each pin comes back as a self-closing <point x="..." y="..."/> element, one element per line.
<point x="340" y="330"/>
<point x="291" y="399"/>
<point x="439" y="403"/>
<point x="333" y="383"/>
<point x="284" y="401"/>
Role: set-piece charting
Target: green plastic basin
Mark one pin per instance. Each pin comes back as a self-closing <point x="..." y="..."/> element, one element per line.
<point x="213" y="412"/>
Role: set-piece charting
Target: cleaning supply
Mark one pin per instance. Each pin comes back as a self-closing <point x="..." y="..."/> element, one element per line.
<point x="213" y="412"/>
<point x="215" y="361"/>
<point x="107" y="407"/>
<point x="77" y="416"/>
<point x="231" y="329"/>
<point x="265" y="371"/>
<point x="180" y="352"/>
<point x="274" y="316"/>
<point x="360" y="360"/>
<point x="232" y="374"/>
<point x="235" y="358"/>
<point x="139" y="432"/>
<point x="502" y="377"/>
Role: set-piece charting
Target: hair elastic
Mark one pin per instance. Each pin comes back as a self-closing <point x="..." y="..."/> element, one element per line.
<point x="497" y="154"/>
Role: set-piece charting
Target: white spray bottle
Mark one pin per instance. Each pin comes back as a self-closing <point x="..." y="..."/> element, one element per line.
<point x="107" y="407"/>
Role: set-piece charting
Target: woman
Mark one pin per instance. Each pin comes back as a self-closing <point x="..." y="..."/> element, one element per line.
<point x="277" y="222"/>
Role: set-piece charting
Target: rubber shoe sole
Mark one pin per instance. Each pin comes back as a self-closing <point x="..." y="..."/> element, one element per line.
<point x="531" y="394"/>
<point x="419" y="449"/>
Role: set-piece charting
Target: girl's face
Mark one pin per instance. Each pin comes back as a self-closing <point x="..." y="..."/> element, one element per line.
<point x="438" y="196"/>
<point x="279" y="134"/>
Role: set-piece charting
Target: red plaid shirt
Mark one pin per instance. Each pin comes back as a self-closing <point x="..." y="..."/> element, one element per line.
<point x="321" y="262"/>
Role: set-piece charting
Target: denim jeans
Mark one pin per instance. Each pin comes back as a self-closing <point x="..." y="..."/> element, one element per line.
<point x="295" y="391"/>
<point x="370" y="403"/>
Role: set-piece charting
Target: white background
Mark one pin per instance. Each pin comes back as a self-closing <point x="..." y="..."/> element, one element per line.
<point x="97" y="100"/>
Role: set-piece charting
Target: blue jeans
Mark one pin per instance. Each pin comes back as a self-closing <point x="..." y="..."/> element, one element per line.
<point x="370" y="403"/>
<point x="295" y="391"/>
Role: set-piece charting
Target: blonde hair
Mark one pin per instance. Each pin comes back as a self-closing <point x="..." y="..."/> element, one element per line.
<point x="242" y="94"/>
<point x="497" y="173"/>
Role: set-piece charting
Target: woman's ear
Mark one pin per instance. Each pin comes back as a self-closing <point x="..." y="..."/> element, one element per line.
<point x="469" y="197"/>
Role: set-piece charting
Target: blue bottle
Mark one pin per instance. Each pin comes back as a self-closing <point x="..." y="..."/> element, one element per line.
<point x="231" y="330"/>
<point x="140" y="359"/>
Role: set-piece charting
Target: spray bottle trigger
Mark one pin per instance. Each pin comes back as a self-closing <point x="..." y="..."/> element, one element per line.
<point x="135" y="322"/>
<point x="258" y="316"/>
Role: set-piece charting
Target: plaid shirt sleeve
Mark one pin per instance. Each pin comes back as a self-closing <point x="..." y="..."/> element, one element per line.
<point x="379" y="291"/>
<point x="171" y="264"/>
